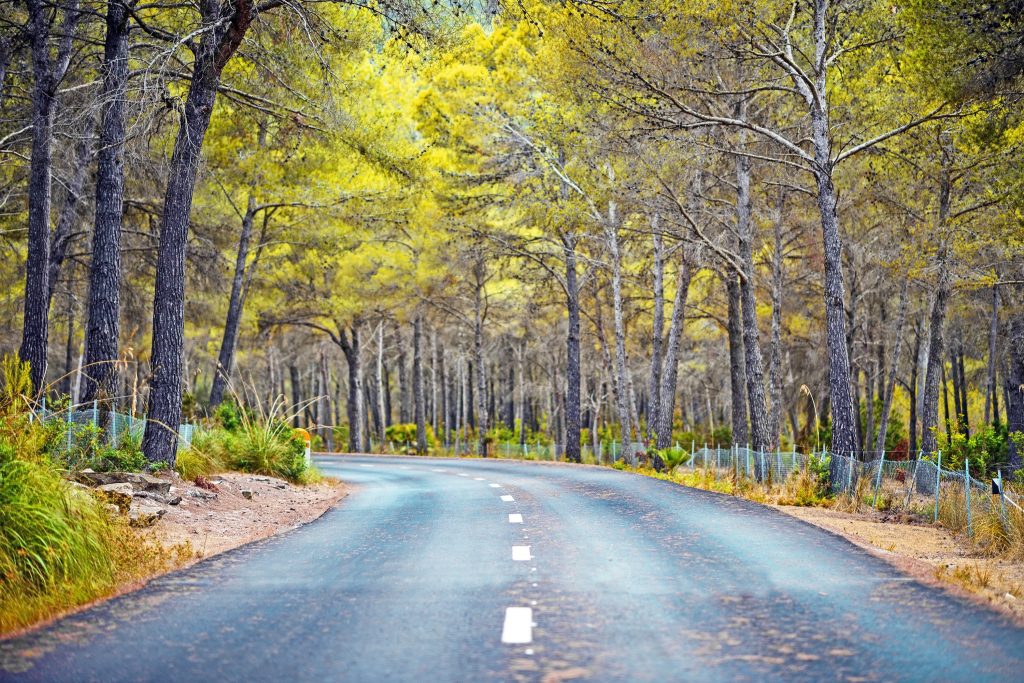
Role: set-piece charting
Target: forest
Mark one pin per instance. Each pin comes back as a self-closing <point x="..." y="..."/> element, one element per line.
<point x="789" y="224"/>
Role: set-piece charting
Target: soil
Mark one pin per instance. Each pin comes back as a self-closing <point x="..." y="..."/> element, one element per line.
<point x="928" y="552"/>
<point x="213" y="525"/>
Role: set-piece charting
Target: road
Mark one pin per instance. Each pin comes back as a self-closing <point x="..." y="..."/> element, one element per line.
<point x="473" y="570"/>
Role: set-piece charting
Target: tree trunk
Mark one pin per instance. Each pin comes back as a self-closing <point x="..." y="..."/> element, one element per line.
<point x="103" y="329"/>
<point x="446" y="423"/>
<point x="217" y="43"/>
<point x="225" y="359"/>
<point x="764" y="436"/>
<point x="991" y="391"/>
<point x="324" y="401"/>
<point x="669" y="377"/>
<point x="657" y="334"/>
<point x="737" y="368"/>
<point x="621" y="381"/>
<point x="354" y="406"/>
<point x="404" y="395"/>
<point x="61" y="238"/>
<point x="913" y="391"/>
<point x="890" y="384"/>
<point x="419" y="409"/>
<point x="479" y="274"/>
<point x="775" y="344"/>
<point x="47" y="73"/>
<point x="381" y="407"/>
<point x="963" y="418"/>
<point x="1014" y="386"/>
<point x="572" y="346"/>
<point x="293" y="374"/>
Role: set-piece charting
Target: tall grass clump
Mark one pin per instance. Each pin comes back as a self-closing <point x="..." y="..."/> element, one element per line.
<point x="59" y="547"/>
<point x="257" y="440"/>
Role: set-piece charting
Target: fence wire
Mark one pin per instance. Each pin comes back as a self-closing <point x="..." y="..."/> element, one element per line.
<point x="86" y="425"/>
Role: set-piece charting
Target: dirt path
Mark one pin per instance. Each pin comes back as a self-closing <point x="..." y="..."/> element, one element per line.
<point x="213" y="521"/>
<point x="929" y="553"/>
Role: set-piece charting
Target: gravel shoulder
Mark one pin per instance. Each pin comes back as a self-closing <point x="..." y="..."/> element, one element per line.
<point x="929" y="553"/>
<point x="232" y="518"/>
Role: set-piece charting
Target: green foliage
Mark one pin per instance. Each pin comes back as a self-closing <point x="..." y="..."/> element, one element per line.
<point x="259" y="447"/>
<point x="402" y="438"/>
<point x="228" y="415"/>
<point x="986" y="450"/>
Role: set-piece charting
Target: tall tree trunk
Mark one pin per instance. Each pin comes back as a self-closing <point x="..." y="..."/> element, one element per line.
<point x="612" y="243"/>
<point x="446" y="422"/>
<point x="479" y="274"/>
<point x="1014" y="386"/>
<point x="775" y="344"/>
<point x="913" y="390"/>
<point x="764" y="436"/>
<point x="216" y="44"/>
<point x="890" y="384"/>
<point x="381" y="407"/>
<point x="669" y="377"/>
<point x="572" y="346"/>
<point x="945" y="406"/>
<point x="225" y="359"/>
<point x="293" y="374"/>
<point x="419" y="407"/>
<point x="936" y="345"/>
<point x="103" y="330"/>
<point x="844" y="418"/>
<point x="954" y="368"/>
<point x="350" y="346"/>
<point x="657" y="335"/>
<point x="47" y="72"/>
<point x="324" y="402"/>
<point x="737" y="368"/>
<point x="61" y="238"/>
<point x="991" y="391"/>
<point x="404" y="393"/>
<point x="964" y="417"/>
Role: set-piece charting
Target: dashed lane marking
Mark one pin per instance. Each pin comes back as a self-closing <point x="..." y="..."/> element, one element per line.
<point x="508" y="499"/>
<point x="518" y="627"/>
<point x="515" y="518"/>
<point x="521" y="553"/>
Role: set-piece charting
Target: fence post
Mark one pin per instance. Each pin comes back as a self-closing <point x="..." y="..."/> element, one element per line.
<point x="849" y="475"/>
<point x="938" y="483"/>
<point x="967" y="494"/>
<point x="878" y="480"/>
<point x="1002" y="500"/>
<point x="95" y="414"/>
<point x="70" y="423"/>
<point x="913" y="482"/>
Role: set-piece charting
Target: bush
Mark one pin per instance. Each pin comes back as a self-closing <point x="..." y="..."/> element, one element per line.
<point x="259" y="447"/>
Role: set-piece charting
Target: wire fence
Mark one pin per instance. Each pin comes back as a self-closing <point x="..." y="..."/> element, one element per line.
<point x="87" y="425"/>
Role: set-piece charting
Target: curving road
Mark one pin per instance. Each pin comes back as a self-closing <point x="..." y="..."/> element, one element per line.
<point x="474" y="570"/>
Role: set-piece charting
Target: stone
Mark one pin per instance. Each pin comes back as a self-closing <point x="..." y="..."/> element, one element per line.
<point x="118" y="495"/>
<point x="202" y="494"/>
<point x="169" y="499"/>
<point x="142" y="515"/>
<point x="139" y="482"/>
<point x="112" y="509"/>
<point x="247" y="494"/>
<point x="123" y="487"/>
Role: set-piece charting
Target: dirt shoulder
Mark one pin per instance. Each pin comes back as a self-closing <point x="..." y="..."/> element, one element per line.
<point x="929" y="553"/>
<point x="213" y="521"/>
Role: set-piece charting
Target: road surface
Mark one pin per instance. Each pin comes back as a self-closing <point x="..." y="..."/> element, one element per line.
<point x="474" y="570"/>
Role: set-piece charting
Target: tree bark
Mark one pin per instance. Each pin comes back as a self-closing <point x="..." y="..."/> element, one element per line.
<point x="381" y="407"/>
<point x="324" y="402"/>
<point x="103" y="329"/>
<point x="737" y="367"/>
<point x="991" y="390"/>
<point x="224" y="28"/>
<point x="1014" y="386"/>
<point x="479" y="274"/>
<point x="68" y="216"/>
<point x="354" y="408"/>
<point x="293" y="374"/>
<point x="419" y="409"/>
<point x="670" y="375"/>
<point x="890" y="385"/>
<point x="47" y="72"/>
<point x="572" y="346"/>
<point x="657" y="336"/>
<point x="763" y="438"/>
<point x="623" y="398"/>
<point x="225" y="359"/>
<point x="775" y="343"/>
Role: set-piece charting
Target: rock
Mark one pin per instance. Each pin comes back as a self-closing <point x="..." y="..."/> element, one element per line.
<point x="247" y="494"/>
<point x="170" y="499"/>
<point x="201" y="494"/>
<point x="142" y="515"/>
<point x="112" y="509"/>
<point x="118" y="495"/>
<point x="139" y="482"/>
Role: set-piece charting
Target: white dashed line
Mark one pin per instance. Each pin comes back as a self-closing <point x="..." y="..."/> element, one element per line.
<point x="363" y="464"/>
<point x="479" y="479"/>
<point x="508" y="499"/>
<point x="463" y="474"/>
<point x="495" y="486"/>
<point x="518" y="628"/>
<point x="436" y="469"/>
<point x="521" y="553"/>
<point x="515" y="518"/>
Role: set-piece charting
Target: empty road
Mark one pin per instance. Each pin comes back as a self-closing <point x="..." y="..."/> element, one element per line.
<point x="489" y="570"/>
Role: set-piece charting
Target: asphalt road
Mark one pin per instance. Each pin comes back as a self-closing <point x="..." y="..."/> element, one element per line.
<point x="426" y="573"/>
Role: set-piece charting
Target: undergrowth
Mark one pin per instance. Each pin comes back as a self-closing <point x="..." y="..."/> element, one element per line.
<point x="59" y="547"/>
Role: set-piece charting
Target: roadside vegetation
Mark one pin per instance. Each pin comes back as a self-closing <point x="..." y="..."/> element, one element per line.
<point x="61" y="544"/>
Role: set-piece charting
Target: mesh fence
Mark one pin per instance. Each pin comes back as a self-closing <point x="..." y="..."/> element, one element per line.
<point x="87" y="425"/>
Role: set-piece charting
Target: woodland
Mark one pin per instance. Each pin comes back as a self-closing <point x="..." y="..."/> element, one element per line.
<point x="783" y="223"/>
